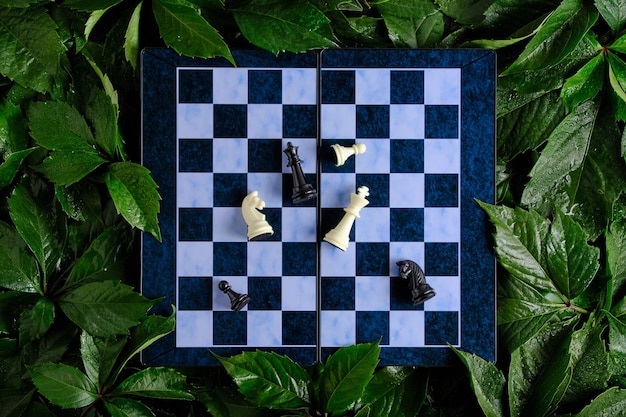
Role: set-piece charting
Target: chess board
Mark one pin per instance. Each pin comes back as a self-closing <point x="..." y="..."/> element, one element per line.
<point x="213" y="133"/>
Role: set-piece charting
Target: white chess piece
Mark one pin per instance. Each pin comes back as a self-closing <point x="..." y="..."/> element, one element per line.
<point x="258" y="227"/>
<point x="340" y="235"/>
<point x="344" y="152"/>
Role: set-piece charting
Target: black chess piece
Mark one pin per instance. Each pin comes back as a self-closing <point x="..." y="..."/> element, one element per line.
<point x="237" y="301"/>
<point x="302" y="191"/>
<point x="420" y="290"/>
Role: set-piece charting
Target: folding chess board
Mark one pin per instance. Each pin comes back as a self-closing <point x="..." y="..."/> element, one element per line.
<point x="213" y="133"/>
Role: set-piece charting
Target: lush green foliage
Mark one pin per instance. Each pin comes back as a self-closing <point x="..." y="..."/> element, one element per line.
<point x="73" y="198"/>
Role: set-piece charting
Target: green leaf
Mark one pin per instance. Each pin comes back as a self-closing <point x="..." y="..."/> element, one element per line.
<point x="11" y="166"/>
<point x="104" y="308"/>
<point x="585" y="84"/>
<point x="163" y="383"/>
<point x="131" y="38"/>
<point x="68" y="167"/>
<point x="126" y="407"/>
<point x="91" y="5"/>
<point x="616" y="261"/>
<point x="19" y="268"/>
<point x="58" y="126"/>
<point x="101" y="111"/>
<point x="414" y="32"/>
<point x="187" y="32"/>
<point x="487" y="382"/>
<point x="468" y="12"/>
<point x="81" y="202"/>
<point x="36" y="321"/>
<point x="617" y="345"/>
<point x="572" y="263"/>
<point x="64" y="385"/>
<point x="619" y="45"/>
<point x="611" y="402"/>
<point x="31" y="49"/>
<point x="269" y="380"/>
<point x="278" y="26"/>
<point x="559" y="34"/>
<point x="13" y="132"/>
<point x="613" y="12"/>
<point x="135" y="195"/>
<point x="345" y="376"/>
<point x="99" y="356"/>
<point x="405" y="8"/>
<point x="394" y="391"/>
<point x="15" y="402"/>
<point x="227" y="402"/>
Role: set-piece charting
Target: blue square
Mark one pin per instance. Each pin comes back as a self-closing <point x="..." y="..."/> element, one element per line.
<point x="406" y="155"/>
<point x="441" y="327"/>
<point x="299" y="121"/>
<point x="229" y="258"/>
<point x="441" y="190"/>
<point x="328" y="157"/>
<point x="195" y="86"/>
<point x="372" y="121"/>
<point x="299" y="328"/>
<point x="230" y="120"/>
<point x="265" y="293"/>
<point x="407" y="224"/>
<point x="401" y="298"/>
<point x="441" y="259"/>
<point x="337" y="293"/>
<point x="407" y="87"/>
<point x="274" y="218"/>
<point x="195" y="224"/>
<point x="372" y="258"/>
<point x="378" y="185"/>
<point x="195" y="155"/>
<point x="230" y="328"/>
<point x="265" y="155"/>
<point x="299" y="258"/>
<point x="338" y="87"/>
<point x="195" y="293"/>
<point x="371" y="326"/>
<point x="229" y="190"/>
<point x="265" y="86"/>
<point x="441" y="121"/>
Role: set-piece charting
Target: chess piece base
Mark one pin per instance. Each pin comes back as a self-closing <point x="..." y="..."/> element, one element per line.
<point x="423" y="293"/>
<point x="337" y="239"/>
<point x="260" y="230"/>
<point x="304" y="193"/>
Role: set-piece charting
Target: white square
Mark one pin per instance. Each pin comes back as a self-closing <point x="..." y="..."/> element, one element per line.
<point x="194" y="121"/>
<point x="372" y="225"/>
<point x="264" y="328"/>
<point x="442" y="224"/>
<point x="299" y="224"/>
<point x="406" y="121"/>
<point x="442" y="156"/>
<point x="338" y="121"/>
<point x="372" y="293"/>
<point x="194" y="259"/>
<point x="372" y="86"/>
<point x="402" y="251"/>
<point x="265" y="259"/>
<point x="338" y="328"/>
<point x="376" y="156"/>
<point x="406" y="190"/>
<point x="299" y="293"/>
<point x="448" y="290"/>
<point x="269" y="185"/>
<point x="337" y="263"/>
<point x="221" y="302"/>
<point x="442" y="86"/>
<point x="194" y="189"/>
<point x="230" y="86"/>
<point x="406" y="328"/>
<point x="229" y="225"/>
<point x="336" y="189"/>
<point x="299" y="86"/>
<point x="307" y="152"/>
<point x="230" y="155"/>
<point x="194" y="329"/>
<point x="265" y="121"/>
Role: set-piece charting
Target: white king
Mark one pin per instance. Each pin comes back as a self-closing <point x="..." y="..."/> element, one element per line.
<point x="344" y="152"/>
<point x="340" y="235"/>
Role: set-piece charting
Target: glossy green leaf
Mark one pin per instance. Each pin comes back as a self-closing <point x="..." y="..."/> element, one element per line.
<point x="156" y="382"/>
<point x="187" y="32"/>
<point x="13" y="137"/>
<point x="104" y="308"/>
<point x="414" y="32"/>
<point x="487" y="382"/>
<point x="590" y="362"/>
<point x="135" y="195"/>
<point x="31" y="49"/>
<point x="131" y="38"/>
<point x="511" y="16"/>
<point x="611" y="402"/>
<point x="616" y="261"/>
<point x="99" y="356"/>
<point x="619" y="45"/>
<point x="411" y="9"/>
<point x="613" y="12"/>
<point x="227" y="402"/>
<point x="617" y="345"/>
<point x="345" y="376"/>
<point x="19" y="268"/>
<point x="277" y="26"/>
<point x="64" y="385"/>
<point x="572" y="262"/>
<point x="559" y="34"/>
<point x="101" y="112"/>
<point x="91" y="5"/>
<point x="58" y="126"/>
<point x="81" y="202"/>
<point x="36" y="321"/>
<point x="468" y="12"/>
<point x="68" y="167"/>
<point x="269" y="380"/>
<point x="395" y="391"/>
<point x="585" y="84"/>
<point x="127" y="407"/>
<point x="11" y="166"/>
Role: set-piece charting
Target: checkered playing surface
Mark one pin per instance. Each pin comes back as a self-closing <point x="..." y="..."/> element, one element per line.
<point x="307" y="297"/>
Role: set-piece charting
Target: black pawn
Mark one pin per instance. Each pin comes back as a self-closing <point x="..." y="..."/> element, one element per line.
<point x="302" y="191"/>
<point x="237" y="301"/>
